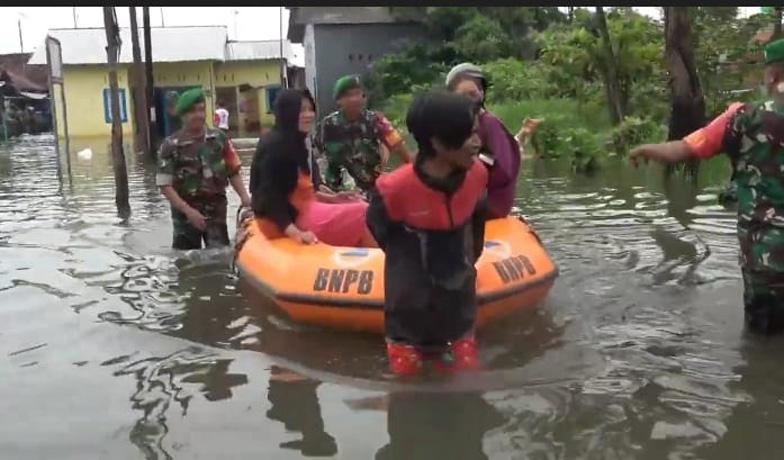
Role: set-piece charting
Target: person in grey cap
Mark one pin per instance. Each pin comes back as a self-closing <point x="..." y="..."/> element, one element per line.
<point x="500" y="149"/>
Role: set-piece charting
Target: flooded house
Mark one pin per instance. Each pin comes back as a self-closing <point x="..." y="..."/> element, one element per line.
<point x="246" y="75"/>
<point x="24" y="96"/>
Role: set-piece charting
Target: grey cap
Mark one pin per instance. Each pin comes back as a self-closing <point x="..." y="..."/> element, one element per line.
<point x="466" y="68"/>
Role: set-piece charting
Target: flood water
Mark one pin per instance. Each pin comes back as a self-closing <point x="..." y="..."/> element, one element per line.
<point x="112" y="345"/>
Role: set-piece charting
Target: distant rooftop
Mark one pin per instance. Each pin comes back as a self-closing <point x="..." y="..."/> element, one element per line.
<point x="256" y="50"/>
<point x="299" y="17"/>
<point x="26" y="77"/>
<point x="169" y="44"/>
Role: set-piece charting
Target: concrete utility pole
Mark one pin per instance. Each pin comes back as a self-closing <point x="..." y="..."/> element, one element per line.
<point x="113" y="44"/>
<point x="141" y="111"/>
<point x="21" y="42"/>
<point x="282" y="59"/>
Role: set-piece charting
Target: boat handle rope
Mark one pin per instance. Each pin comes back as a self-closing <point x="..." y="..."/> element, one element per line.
<point x="531" y="230"/>
<point x="243" y="220"/>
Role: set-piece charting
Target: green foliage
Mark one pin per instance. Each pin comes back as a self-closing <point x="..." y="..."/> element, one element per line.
<point x="576" y="58"/>
<point x="399" y="73"/>
<point x="584" y="148"/>
<point x="634" y="131"/>
<point x="555" y="139"/>
<point x="482" y="39"/>
<point x="566" y="112"/>
<point x="396" y="107"/>
<point x="546" y="140"/>
<point x="457" y="34"/>
<point x="515" y="80"/>
<point x="722" y="43"/>
<point x="541" y="65"/>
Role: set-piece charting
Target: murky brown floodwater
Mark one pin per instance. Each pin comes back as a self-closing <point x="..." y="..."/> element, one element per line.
<point x="114" y="346"/>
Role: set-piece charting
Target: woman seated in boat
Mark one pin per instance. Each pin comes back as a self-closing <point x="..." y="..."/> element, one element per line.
<point x="283" y="189"/>
<point x="500" y="150"/>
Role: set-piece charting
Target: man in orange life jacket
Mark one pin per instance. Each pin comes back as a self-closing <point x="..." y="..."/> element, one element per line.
<point x="433" y="241"/>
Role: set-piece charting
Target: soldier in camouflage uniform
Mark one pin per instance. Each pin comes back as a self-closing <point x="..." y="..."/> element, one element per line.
<point x="195" y="165"/>
<point x="352" y="138"/>
<point x="753" y="136"/>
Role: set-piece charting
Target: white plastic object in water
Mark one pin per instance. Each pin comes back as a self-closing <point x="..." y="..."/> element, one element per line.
<point x="85" y="154"/>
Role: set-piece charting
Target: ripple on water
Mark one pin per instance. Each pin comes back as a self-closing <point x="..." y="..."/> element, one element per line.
<point x="620" y="360"/>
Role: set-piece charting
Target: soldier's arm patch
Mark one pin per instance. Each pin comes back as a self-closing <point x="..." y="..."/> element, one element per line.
<point x="317" y="140"/>
<point x="165" y="164"/>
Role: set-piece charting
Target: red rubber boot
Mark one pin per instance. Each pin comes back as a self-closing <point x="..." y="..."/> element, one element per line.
<point x="462" y="355"/>
<point x="404" y="360"/>
<point x="466" y="355"/>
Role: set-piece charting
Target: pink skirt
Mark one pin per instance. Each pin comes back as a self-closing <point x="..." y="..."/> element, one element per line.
<point x="336" y="224"/>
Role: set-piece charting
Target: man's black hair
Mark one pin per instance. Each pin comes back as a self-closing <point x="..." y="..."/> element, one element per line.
<point x="445" y="116"/>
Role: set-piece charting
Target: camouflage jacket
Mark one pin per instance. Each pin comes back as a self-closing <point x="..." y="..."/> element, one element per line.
<point x="197" y="168"/>
<point x="354" y="146"/>
<point x="754" y="139"/>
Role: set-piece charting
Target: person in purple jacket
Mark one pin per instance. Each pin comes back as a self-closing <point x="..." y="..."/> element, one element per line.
<point x="500" y="150"/>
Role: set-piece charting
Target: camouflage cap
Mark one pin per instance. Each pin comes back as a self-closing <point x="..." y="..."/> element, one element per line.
<point x="188" y="99"/>
<point x="346" y="83"/>
<point x="774" y="51"/>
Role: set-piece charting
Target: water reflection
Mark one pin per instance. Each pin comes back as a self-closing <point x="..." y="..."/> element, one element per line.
<point x="755" y="428"/>
<point x="172" y="380"/>
<point x="635" y="353"/>
<point x="295" y="404"/>
<point x="446" y="425"/>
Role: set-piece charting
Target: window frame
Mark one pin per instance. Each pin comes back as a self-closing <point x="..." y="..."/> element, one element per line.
<point x="107" y="105"/>
<point x="268" y="91"/>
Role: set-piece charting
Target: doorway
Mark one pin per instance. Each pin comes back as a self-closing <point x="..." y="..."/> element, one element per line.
<point x="165" y="98"/>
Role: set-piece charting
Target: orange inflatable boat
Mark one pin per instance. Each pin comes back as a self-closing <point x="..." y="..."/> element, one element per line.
<point x="342" y="287"/>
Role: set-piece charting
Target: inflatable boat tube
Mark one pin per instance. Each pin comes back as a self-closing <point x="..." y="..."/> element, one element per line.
<point x="343" y="287"/>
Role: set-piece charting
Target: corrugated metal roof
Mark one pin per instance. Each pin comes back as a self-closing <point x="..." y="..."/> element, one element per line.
<point x="257" y="50"/>
<point x="169" y="44"/>
<point x="14" y="61"/>
<point x="21" y="82"/>
<point x="17" y="63"/>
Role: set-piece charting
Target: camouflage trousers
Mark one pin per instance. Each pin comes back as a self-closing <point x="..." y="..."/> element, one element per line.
<point x="186" y="236"/>
<point x="763" y="299"/>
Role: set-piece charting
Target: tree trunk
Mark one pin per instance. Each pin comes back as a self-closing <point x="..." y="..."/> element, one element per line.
<point x="612" y="84"/>
<point x="118" y="157"/>
<point x="688" y="102"/>
<point x="150" y="83"/>
<point x="570" y="13"/>
<point x="141" y="110"/>
<point x="776" y="24"/>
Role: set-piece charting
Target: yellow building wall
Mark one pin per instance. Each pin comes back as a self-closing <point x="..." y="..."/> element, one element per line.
<point x="192" y="73"/>
<point x="58" y="109"/>
<point x="258" y="74"/>
<point x="84" y="85"/>
<point x="265" y="117"/>
<point x="84" y="101"/>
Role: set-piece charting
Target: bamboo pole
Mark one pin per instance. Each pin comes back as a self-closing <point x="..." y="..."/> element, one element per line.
<point x="113" y="44"/>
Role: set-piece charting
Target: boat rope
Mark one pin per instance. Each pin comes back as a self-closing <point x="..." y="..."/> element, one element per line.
<point x="243" y="220"/>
